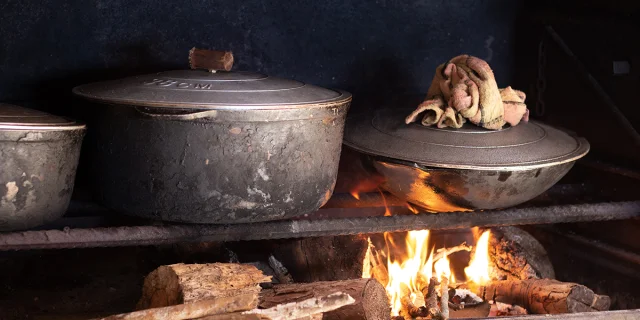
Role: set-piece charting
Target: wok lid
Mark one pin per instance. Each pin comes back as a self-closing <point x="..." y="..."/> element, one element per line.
<point x="18" y="118"/>
<point x="206" y="90"/>
<point x="528" y="145"/>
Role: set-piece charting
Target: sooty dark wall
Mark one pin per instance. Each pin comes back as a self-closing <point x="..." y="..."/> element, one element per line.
<point x="375" y="49"/>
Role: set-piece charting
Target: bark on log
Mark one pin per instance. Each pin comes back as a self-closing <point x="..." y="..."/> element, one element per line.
<point x="192" y="310"/>
<point x="322" y="258"/>
<point x="544" y="296"/>
<point x="371" y="301"/>
<point x="516" y="255"/>
<point x="183" y="283"/>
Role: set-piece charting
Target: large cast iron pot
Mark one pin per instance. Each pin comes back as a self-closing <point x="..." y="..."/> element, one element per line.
<point x="225" y="147"/>
<point x="445" y="170"/>
<point x="38" y="159"/>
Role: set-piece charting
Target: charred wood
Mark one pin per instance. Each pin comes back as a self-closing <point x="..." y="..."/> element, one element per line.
<point x="544" y="296"/>
<point x="371" y="301"/>
<point x="517" y="255"/>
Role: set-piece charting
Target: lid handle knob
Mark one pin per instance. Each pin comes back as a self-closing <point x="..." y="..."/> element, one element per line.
<point x="212" y="60"/>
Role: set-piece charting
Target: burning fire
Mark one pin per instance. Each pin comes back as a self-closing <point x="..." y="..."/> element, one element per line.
<point x="478" y="269"/>
<point x="409" y="274"/>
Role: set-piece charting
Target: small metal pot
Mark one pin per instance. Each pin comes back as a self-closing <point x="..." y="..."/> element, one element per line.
<point x="39" y="155"/>
<point x="225" y="147"/>
<point x="446" y="170"/>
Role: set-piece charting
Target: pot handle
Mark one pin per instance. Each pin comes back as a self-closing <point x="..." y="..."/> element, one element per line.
<point x="178" y="116"/>
<point x="211" y="60"/>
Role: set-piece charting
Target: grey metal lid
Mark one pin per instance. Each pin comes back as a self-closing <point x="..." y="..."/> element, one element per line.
<point x="203" y="89"/>
<point x="526" y="146"/>
<point x="13" y="117"/>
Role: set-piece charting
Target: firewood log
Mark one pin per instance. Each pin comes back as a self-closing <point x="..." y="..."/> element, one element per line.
<point x="516" y="255"/>
<point x="371" y="301"/>
<point x="544" y="296"/>
<point x="183" y="283"/>
<point x="193" y="309"/>
<point x="328" y="258"/>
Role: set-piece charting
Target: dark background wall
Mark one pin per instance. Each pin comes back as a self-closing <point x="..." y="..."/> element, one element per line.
<point x="375" y="49"/>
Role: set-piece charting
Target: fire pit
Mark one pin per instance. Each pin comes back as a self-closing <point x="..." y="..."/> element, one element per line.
<point x="360" y="232"/>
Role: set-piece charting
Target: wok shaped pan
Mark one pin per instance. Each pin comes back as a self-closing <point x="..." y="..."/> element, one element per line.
<point x="446" y="170"/>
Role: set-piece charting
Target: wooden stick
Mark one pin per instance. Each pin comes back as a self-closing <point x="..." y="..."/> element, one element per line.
<point x="211" y="60"/>
<point x="192" y="310"/>
<point x="282" y="274"/>
<point x="443" y="252"/>
<point x="371" y="301"/>
<point x="444" y="298"/>
<point x="183" y="283"/>
<point x="409" y="309"/>
<point x="378" y="267"/>
<point x="306" y="308"/>
<point x="432" y="297"/>
<point x="544" y="296"/>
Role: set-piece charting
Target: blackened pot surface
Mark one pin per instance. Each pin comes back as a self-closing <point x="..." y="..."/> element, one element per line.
<point x="38" y="169"/>
<point x="450" y="190"/>
<point x="218" y="166"/>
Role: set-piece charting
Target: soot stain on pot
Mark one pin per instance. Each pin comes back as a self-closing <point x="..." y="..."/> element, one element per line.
<point x="504" y="175"/>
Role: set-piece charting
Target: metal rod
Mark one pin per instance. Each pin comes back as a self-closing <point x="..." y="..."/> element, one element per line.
<point x="623" y="121"/>
<point x="610" y="168"/>
<point x="163" y="234"/>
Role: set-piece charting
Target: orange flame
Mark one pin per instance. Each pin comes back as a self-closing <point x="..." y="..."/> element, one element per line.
<point x="410" y="273"/>
<point x="412" y="209"/>
<point x="355" y="194"/>
<point x="478" y="269"/>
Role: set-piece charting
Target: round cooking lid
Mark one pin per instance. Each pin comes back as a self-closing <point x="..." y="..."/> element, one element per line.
<point x="526" y="146"/>
<point x="18" y="118"/>
<point x="204" y="89"/>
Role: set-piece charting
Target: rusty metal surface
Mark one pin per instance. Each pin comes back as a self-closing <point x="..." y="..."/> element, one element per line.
<point x="164" y="234"/>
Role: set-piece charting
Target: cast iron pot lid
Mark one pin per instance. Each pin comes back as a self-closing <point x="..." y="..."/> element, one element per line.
<point x="203" y="89"/>
<point x="19" y="118"/>
<point x="528" y="145"/>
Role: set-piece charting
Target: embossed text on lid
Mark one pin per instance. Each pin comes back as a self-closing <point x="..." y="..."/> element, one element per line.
<point x="525" y="146"/>
<point x="199" y="88"/>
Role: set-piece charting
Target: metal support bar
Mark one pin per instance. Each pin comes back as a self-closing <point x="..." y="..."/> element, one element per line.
<point x="163" y="234"/>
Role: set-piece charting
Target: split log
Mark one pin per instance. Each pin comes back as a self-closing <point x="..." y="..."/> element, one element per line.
<point x="544" y="296"/>
<point x="517" y="255"/>
<point x="371" y="301"/>
<point x="184" y="283"/>
<point x="192" y="310"/>
<point x="307" y="308"/>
